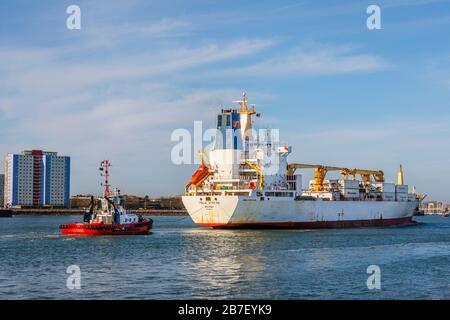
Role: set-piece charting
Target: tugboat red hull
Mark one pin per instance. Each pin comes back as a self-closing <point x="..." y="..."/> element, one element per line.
<point x="101" y="229"/>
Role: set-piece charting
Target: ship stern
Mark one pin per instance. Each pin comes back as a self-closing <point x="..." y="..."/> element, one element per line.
<point x="210" y="211"/>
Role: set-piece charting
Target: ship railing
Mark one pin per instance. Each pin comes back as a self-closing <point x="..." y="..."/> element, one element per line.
<point x="271" y="143"/>
<point x="223" y="186"/>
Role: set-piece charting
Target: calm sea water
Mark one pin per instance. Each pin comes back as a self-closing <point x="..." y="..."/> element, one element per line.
<point x="179" y="260"/>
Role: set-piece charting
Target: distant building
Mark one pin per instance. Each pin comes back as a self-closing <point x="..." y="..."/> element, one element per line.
<point x="37" y="178"/>
<point x="2" y="190"/>
<point x="435" y="207"/>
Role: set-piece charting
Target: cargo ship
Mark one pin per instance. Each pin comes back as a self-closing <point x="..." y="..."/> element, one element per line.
<point x="246" y="181"/>
<point x="107" y="216"/>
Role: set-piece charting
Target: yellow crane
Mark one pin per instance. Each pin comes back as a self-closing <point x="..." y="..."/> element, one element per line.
<point x="258" y="171"/>
<point x="320" y="172"/>
<point x="377" y="175"/>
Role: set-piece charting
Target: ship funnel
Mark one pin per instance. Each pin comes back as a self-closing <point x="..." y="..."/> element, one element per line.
<point x="400" y="176"/>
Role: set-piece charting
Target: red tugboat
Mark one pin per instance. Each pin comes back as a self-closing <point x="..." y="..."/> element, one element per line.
<point x="106" y="216"/>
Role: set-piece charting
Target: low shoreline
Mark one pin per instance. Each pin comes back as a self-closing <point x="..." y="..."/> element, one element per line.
<point x="70" y="212"/>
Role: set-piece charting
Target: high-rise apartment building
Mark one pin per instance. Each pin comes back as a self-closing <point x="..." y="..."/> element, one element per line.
<point x="37" y="178"/>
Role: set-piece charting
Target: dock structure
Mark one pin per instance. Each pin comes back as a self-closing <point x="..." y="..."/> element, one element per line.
<point x="435" y="207"/>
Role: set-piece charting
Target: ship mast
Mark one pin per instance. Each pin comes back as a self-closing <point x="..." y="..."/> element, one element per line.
<point x="104" y="169"/>
<point x="246" y="118"/>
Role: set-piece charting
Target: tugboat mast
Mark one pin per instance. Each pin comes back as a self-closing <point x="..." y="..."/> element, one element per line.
<point x="104" y="169"/>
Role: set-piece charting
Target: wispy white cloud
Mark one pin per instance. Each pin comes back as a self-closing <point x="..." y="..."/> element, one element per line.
<point x="108" y="36"/>
<point x="309" y="62"/>
<point x="44" y="72"/>
<point x="407" y="3"/>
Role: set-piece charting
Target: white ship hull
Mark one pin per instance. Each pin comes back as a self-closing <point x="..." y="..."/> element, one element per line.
<point x="249" y="212"/>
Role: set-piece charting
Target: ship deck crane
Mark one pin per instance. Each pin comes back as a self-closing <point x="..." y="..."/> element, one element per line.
<point x="377" y="175"/>
<point x="258" y="171"/>
<point x="320" y="172"/>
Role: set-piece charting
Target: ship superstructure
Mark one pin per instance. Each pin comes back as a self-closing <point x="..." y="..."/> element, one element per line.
<point x="246" y="181"/>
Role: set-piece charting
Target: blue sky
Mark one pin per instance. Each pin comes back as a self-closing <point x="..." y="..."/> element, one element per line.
<point x="339" y="93"/>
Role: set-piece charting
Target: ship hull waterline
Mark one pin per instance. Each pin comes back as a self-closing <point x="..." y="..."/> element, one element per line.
<point x="235" y="212"/>
<point x="98" y="229"/>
